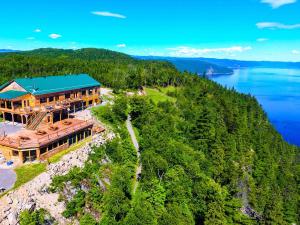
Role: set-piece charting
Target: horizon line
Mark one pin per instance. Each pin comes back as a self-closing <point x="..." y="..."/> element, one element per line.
<point x="158" y="56"/>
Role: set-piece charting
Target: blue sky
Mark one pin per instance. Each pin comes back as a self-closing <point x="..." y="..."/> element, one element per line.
<point x="240" y="29"/>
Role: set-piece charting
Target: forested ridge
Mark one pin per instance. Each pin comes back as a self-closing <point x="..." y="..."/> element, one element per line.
<point x="207" y="154"/>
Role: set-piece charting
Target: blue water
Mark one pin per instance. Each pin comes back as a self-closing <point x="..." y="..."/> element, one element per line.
<point x="277" y="90"/>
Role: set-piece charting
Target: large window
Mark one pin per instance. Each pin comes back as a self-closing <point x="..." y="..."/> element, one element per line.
<point x="51" y="99"/>
<point x="68" y="95"/>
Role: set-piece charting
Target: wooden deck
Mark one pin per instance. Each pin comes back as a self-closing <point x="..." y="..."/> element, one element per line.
<point x="26" y="139"/>
<point x="47" y="107"/>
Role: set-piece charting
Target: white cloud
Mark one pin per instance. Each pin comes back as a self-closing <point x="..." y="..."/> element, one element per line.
<point x="278" y="3"/>
<point x="109" y="14"/>
<point x="274" y="25"/>
<point x="30" y="38"/>
<point x="37" y="30"/>
<point x="184" y="51"/>
<point x="296" y="52"/>
<point x="262" y="39"/>
<point x="55" y="36"/>
<point x="121" y="45"/>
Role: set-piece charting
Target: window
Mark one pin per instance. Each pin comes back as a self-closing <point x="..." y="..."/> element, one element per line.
<point x="43" y="150"/>
<point x="8" y="104"/>
<point x="54" y="145"/>
<point x="83" y="93"/>
<point x="61" y="142"/>
<point x="51" y="99"/>
<point x="90" y="91"/>
<point x="68" y="95"/>
<point x="43" y="100"/>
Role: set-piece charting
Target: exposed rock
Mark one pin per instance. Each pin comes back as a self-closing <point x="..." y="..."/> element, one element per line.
<point x="35" y="194"/>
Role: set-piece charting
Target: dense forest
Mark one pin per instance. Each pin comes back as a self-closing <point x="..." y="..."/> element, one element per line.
<point x="113" y="69"/>
<point x="209" y="156"/>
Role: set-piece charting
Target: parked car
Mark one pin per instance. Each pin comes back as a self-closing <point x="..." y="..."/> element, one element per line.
<point x="9" y="163"/>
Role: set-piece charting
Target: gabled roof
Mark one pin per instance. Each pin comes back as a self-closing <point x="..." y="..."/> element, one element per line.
<point x="8" y="95"/>
<point x="53" y="84"/>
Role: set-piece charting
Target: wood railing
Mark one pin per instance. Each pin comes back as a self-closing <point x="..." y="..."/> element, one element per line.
<point x="17" y="143"/>
<point x="64" y="132"/>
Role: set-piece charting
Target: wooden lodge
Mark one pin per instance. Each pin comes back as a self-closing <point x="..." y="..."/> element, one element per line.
<point x="45" y="106"/>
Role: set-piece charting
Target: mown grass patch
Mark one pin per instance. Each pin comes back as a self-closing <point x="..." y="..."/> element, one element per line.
<point x="26" y="173"/>
<point x="168" y="89"/>
<point x="158" y="96"/>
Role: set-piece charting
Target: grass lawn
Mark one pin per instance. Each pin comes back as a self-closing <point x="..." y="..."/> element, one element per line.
<point x="28" y="172"/>
<point x="59" y="155"/>
<point x="159" y="96"/>
<point x="165" y="90"/>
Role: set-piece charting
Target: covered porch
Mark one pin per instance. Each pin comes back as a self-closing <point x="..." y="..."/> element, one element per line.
<point x="12" y="105"/>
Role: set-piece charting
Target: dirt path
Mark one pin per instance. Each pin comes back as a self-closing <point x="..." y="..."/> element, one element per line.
<point x="138" y="170"/>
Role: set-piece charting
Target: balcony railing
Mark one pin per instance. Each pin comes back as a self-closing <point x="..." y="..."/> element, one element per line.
<point x="36" y="143"/>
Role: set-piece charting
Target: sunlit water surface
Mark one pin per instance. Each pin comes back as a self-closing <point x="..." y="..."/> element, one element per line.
<point x="277" y="90"/>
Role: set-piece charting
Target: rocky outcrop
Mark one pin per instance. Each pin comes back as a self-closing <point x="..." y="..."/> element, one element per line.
<point x="35" y="194"/>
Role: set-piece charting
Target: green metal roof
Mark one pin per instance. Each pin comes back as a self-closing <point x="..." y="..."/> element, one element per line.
<point x="8" y="95"/>
<point x="53" y="84"/>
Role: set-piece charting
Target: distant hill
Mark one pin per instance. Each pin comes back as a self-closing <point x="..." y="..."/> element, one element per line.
<point x="7" y="50"/>
<point x="85" y="54"/>
<point x="235" y="64"/>
<point x="111" y="68"/>
<point x="193" y="65"/>
<point x="212" y="66"/>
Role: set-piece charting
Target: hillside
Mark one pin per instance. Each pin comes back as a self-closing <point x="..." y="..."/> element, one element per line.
<point x="112" y="68"/>
<point x="200" y="67"/>
<point x="222" y="65"/>
<point x="7" y="50"/>
<point x="209" y="155"/>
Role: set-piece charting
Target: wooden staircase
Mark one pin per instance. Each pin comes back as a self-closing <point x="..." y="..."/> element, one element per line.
<point x="36" y="120"/>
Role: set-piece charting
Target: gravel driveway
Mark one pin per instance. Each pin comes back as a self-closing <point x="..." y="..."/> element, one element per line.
<point x="9" y="128"/>
<point x="7" y="178"/>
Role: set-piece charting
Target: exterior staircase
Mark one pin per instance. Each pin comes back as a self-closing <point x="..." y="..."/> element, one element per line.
<point x="36" y="120"/>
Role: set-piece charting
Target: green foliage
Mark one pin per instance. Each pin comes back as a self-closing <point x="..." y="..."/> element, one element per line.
<point x="75" y="206"/>
<point x="120" y="109"/>
<point x="206" y="151"/>
<point x="111" y="68"/>
<point x="87" y="219"/>
<point x="209" y="146"/>
<point x="37" y="217"/>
